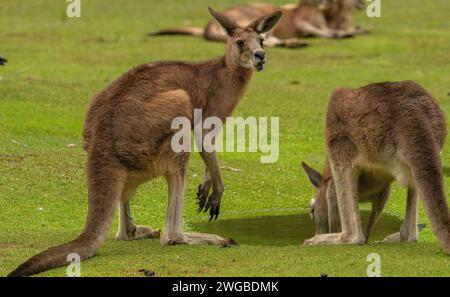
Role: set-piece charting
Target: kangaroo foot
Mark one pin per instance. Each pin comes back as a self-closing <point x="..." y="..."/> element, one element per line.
<point x="199" y="238"/>
<point x="396" y="237"/>
<point x="332" y="239"/>
<point x="139" y="232"/>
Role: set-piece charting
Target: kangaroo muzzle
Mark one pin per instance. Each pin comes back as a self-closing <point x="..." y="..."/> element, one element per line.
<point x="259" y="59"/>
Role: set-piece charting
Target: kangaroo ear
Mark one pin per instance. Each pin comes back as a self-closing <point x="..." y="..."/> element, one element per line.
<point x="228" y="24"/>
<point x="314" y="177"/>
<point x="266" y="23"/>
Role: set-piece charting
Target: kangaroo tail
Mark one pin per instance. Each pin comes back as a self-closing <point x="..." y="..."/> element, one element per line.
<point x="192" y="31"/>
<point x="427" y="172"/>
<point x="105" y="184"/>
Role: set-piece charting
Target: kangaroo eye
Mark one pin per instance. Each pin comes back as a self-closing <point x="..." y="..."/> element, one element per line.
<point x="240" y="43"/>
<point x="261" y="41"/>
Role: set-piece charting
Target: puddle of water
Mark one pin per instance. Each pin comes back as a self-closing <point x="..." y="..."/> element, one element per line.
<point x="284" y="230"/>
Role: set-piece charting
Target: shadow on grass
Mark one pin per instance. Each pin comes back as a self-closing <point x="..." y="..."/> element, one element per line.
<point x="446" y="171"/>
<point x="284" y="230"/>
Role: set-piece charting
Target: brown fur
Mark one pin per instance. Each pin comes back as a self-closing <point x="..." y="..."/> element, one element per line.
<point x="375" y="135"/>
<point x="306" y="19"/>
<point x="127" y="135"/>
<point x="339" y="15"/>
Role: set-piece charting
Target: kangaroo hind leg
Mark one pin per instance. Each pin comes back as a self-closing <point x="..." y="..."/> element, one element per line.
<point x="426" y="169"/>
<point x="127" y="228"/>
<point x="408" y="231"/>
<point x="345" y="174"/>
<point x="378" y="204"/>
<point x="173" y="233"/>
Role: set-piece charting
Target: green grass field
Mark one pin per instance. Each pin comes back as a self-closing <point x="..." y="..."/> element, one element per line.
<point x="57" y="64"/>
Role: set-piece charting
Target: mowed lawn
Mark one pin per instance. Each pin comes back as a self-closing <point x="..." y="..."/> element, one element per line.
<point x="57" y="64"/>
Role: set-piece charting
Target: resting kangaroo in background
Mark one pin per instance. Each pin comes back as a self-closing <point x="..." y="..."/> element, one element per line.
<point x="300" y="20"/>
<point x="3" y="61"/>
<point x="339" y="16"/>
<point x="375" y="135"/>
<point x="128" y="136"/>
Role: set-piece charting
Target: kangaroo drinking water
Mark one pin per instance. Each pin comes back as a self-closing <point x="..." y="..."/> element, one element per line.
<point x="127" y="135"/>
<point x="376" y="135"/>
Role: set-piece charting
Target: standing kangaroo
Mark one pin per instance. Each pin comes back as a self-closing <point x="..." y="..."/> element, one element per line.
<point x="375" y="135"/>
<point x="128" y="135"/>
<point x="308" y="18"/>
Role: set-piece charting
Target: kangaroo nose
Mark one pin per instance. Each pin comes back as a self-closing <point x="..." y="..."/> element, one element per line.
<point x="260" y="55"/>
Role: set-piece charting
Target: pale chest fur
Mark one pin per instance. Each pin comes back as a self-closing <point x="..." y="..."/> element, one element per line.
<point x="228" y="97"/>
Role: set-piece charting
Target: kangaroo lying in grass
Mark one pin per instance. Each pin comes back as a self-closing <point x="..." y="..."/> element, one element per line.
<point x="3" y="61"/>
<point x="339" y="16"/>
<point x="128" y="134"/>
<point x="308" y="18"/>
<point x="375" y="135"/>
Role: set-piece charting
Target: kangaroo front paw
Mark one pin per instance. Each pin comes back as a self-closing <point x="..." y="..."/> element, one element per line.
<point x="202" y="195"/>
<point x="208" y="201"/>
<point x="213" y="205"/>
